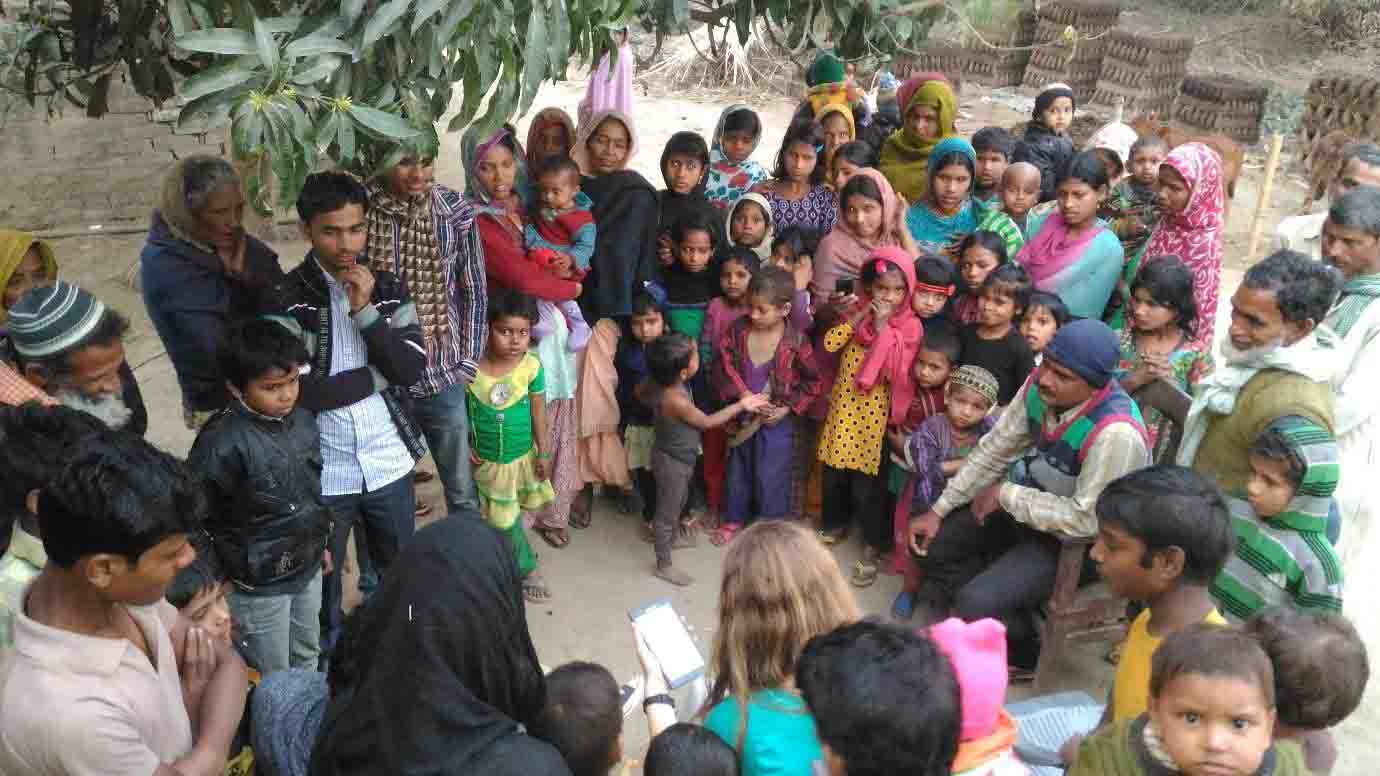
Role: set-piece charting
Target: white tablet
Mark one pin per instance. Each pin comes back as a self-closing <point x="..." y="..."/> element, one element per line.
<point x="669" y="641"/>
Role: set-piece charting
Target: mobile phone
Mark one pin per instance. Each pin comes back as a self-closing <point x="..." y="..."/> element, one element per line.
<point x="843" y="286"/>
<point x="669" y="640"/>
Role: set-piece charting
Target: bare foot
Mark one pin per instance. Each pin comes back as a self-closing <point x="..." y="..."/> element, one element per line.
<point x="673" y="575"/>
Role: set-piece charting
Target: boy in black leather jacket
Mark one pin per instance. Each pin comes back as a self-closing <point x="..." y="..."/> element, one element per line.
<point x="261" y="458"/>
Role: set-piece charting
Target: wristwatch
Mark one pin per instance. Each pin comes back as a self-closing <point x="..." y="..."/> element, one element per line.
<point x="659" y="698"/>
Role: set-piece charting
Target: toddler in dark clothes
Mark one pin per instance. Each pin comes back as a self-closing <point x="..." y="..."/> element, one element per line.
<point x="1046" y="313"/>
<point x="993" y="342"/>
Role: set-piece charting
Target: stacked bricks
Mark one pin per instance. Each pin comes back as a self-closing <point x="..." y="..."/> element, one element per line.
<point x="73" y="171"/>
<point x="1222" y="105"/>
<point x="1340" y="102"/>
<point x="1078" y="66"/>
<point x="975" y="62"/>
<point x="1146" y="70"/>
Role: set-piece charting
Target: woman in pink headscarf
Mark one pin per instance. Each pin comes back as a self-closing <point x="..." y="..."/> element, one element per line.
<point x="870" y="216"/>
<point x="1192" y="206"/>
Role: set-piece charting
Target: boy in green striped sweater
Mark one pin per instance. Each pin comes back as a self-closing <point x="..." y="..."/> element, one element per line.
<point x="1282" y="555"/>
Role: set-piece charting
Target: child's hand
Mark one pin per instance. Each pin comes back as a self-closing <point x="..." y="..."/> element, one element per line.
<point x="539" y="466"/>
<point x="774" y="414"/>
<point x="327" y="564"/>
<point x="897" y="439"/>
<point x="663" y="250"/>
<point x="474" y="457"/>
<point x="804" y="272"/>
<point x="754" y="402"/>
<point x="881" y="311"/>
<point x="563" y="264"/>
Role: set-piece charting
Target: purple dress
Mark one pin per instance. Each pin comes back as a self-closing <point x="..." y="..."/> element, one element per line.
<point x="759" y="469"/>
<point x="815" y="212"/>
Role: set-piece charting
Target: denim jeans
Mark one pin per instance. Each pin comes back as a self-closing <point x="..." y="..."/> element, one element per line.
<point x="444" y="423"/>
<point x="281" y="631"/>
<point x="388" y="517"/>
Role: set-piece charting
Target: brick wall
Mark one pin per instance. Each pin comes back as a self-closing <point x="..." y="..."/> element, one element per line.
<point x="72" y="171"/>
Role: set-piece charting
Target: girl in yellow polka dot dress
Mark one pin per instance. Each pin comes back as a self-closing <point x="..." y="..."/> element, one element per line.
<point x="879" y="340"/>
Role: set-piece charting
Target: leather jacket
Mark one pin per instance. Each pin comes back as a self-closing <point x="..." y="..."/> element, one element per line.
<point x="268" y="523"/>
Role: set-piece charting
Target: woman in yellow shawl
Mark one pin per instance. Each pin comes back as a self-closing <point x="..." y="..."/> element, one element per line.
<point x="929" y="109"/>
<point x="24" y="264"/>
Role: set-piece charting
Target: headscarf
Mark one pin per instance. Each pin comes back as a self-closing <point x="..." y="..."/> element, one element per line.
<point x="172" y="206"/>
<point x="1115" y="137"/>
<point x="580" y="153"/>
<point x="891" y="350"/>
<point x="905" y="156"/>
<point x="1195" y="234"/>
<point x="675" y="207"/>
<point x="847" y="113"/>
<point x="13" y="246"/>
<point x="437" y="673"/>
<point x="1088" y="348"/>
<point x="763" y="250"/>
<point x="842" y="252"/>
<point x="545" y="118"/>
<point x="1317" y="449"/>
<point x="1050" y="252"/>
<point x="1048" y="95"/>
<point x="728" y="181"/>
<point x="473" y="147"/>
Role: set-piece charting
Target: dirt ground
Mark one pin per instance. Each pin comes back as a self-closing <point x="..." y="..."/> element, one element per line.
<point x="606" y="570"/>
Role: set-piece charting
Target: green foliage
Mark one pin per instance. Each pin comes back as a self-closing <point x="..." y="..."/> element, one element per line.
<point x="363" y="83"/>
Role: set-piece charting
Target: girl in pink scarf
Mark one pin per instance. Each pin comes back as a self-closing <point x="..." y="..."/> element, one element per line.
<point x="1191" y="225"/>
<point x="879" y="341"/>
<point x="843" y="251"/>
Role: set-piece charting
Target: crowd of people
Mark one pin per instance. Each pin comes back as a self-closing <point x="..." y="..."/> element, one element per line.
<point x="941" y="342"/>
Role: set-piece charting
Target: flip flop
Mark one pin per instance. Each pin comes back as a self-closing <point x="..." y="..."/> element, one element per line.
<point x="903" y="608"/>
<point x="553" y="537"/>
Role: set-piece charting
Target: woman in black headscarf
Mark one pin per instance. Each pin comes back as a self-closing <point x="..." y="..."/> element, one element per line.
<point x="437" y="673"/>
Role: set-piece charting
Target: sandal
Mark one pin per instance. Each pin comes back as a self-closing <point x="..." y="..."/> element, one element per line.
<point x="688" y="529"/>
<point x="557" y="538"/>
<point x="864" y="574"/>
<point x="725" y="534"/>
<point x="903" y="608"/>
<point x="535" y="591"/>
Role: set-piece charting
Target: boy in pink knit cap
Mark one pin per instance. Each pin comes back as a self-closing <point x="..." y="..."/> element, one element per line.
<point x="977" y="651"/>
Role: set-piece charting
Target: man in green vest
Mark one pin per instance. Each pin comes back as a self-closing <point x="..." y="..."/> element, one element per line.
<point x="1276" y="363"/>
<point x="990" y="544"/>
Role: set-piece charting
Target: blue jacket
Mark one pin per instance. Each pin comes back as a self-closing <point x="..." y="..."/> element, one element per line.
<point x="190" y="299"/>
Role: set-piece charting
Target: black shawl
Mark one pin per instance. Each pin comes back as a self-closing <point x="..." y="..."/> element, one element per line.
<point x="437" y="670"/>
<point x="625" y="217"/>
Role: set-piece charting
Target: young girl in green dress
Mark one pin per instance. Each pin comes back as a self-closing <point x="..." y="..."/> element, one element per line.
<point x="507" y="413"/>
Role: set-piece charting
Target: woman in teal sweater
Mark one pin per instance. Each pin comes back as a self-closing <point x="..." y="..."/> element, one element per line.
<point x="780" y="588"/>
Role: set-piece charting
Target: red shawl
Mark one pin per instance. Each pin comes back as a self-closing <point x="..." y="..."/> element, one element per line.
<point x="891" y="350"/>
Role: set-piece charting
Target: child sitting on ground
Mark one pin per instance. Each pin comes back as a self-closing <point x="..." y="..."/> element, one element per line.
<point x="987" y="739"/>
<point x="933" y="454"/>
<point x="885" y="701"/>
<point x="261" y="459"/>
<point x="582" y="718"/>
<point x="993" y="342"/>
<point x="1020" y="193"/>
<point x="563" y="222"/>
<point x="750" y="225"/>
<point x="979" y="254"/>
<point x="506" y="404"/>
<point x="1163" y="535"/>
<point x="731" y="172"/>
<point x="762" y="353"/>
<point x="1282" y="553"/>
<point x="646" y="324"/>
<point x="1211" y="711"/>
<point x="672" y="362"/>
<point x="994" y="146"/>
<point x="1042" y="319"/>
<point x="1321" y="670"/>
<point x="1046" y="143"/>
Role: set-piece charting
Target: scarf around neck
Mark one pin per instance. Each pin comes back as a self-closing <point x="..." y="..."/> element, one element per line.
<point x="844" y="250"/>
<point x="1312" y="357"/>
<point x="891" y="348"/>
<point x="905" y="156"/>
<point x="402" y="239"/>
<point x="1357" y="296"/>
<point x="1052" y="250"/>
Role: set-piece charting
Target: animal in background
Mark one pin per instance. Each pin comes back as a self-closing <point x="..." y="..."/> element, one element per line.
<point x="1230" y="152"/>
<point x="1323" y="166"/>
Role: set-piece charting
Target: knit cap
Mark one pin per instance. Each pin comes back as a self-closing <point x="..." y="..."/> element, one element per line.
<point x="1049" y="94"/>
<point x="827" y="69"/>
<point x="53" y="319"/>
<point x="978" y="380"/>
<point x="1088" y="348"/>
<point x="977" y="651"/>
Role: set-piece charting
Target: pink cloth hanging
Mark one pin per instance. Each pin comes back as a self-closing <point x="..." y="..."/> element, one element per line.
<point x="609" y="91"/>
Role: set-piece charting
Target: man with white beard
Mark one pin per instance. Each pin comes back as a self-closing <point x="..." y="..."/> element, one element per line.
<point x="1276" y="363"/>
<point x="68" y="344"/>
